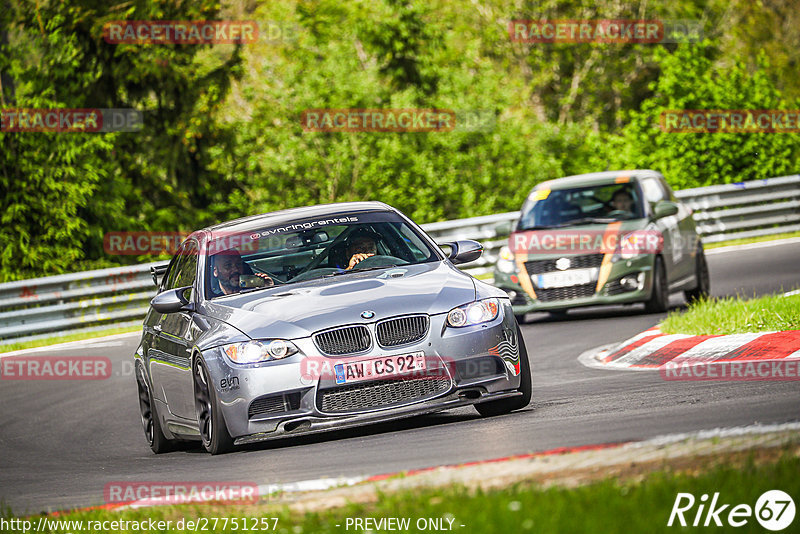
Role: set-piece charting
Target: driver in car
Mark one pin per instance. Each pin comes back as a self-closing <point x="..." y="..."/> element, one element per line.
<point x="361" y="244"/>
<point x="622" y="201"/>
<point x="229" y="267"/>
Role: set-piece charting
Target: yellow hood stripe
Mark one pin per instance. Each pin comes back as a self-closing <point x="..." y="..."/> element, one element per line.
<point x="605" y="267"/>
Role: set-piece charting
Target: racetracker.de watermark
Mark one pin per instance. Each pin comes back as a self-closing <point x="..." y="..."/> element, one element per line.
<point x="168" y="32"/>
<point x="618" y="31"/>
<point x="568" y="242"/>
<point x="730" y="121"/>
<point x="65" y="120"/>
<point x="157" y="243"/>
<point x="397" y="120"/>
<point x="184" y="492"/>
<point x="55" y="368"/>
<point x="759" y="370"/>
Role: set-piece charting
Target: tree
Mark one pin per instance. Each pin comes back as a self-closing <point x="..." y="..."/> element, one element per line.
<point x="690" y="81"/>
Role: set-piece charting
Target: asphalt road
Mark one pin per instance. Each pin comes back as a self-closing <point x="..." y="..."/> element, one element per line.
<point x="63" y="441"/>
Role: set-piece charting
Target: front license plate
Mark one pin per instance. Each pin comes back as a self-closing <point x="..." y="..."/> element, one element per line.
<point x="378" y="368"/>
<point x="575" y="277"/>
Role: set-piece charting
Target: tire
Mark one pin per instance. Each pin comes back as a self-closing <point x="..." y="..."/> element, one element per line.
<point x="150" y="421"/>
<point x="659" y="297"/>
<point x="504" y="406"/>
<point x="703" y="288"/>
<point x="213" y="432"/>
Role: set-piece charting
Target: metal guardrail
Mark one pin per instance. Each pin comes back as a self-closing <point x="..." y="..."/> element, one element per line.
<point x="103" y="298"/>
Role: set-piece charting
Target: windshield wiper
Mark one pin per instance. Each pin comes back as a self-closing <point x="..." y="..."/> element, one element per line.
<point x="585" y="220"/>
<point x="251" y="289"/>
<point x="539" y="227"/>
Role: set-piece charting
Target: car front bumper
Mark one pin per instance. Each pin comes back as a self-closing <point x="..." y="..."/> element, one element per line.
<point x="468" y="366"/>
<point x="609" y="293"/>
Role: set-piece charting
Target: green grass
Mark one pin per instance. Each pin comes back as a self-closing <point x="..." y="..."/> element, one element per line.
<point x="605" y="507"/>
<point x="736" y="316"/>
<point x="748" y="240"/>
<point x="67" y="337"/>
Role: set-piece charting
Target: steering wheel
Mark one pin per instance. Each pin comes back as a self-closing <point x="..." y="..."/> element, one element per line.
<point x="275" y="279"/>
<point x="379" y="261"/>
<point x="620" y="214"/>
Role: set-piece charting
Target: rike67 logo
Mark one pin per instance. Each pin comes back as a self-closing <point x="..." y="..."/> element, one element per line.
<point x="774" y="510"/>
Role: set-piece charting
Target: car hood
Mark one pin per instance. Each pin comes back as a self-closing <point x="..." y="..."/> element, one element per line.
<point x="542" y="244"/>
<point x="297" y="310"/>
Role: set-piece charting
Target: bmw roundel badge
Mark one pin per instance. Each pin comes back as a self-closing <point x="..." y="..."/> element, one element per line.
<point x="368" y="314"/>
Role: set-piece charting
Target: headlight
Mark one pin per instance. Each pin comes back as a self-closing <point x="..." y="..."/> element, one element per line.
<point x="260" y="351"/>
<point x="480" y="311"/>
<point x="637" y="243"/>
<point x="505" y="261"/>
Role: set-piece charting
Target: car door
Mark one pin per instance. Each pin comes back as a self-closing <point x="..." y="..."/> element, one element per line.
<point x="171" y="358"/>
<point x="687" y="234"/>
<point x="672" y="251"/>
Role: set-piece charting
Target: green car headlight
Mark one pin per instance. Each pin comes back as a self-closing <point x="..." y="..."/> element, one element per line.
<point x="505" y="261"/>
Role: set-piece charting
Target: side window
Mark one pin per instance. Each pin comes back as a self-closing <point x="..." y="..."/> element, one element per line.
<point x="174" y="266"/>
<point x="653" y="191"/>
<point x="183" y="272"/>
<point x="414" y="243"/>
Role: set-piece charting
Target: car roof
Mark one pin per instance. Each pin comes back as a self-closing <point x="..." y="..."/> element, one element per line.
<point x="277" y="218"/>
<point x="596" y="178"/>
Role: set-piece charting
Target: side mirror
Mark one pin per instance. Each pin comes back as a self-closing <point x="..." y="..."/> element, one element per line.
<point x="464" y="251"/>
<point x="503" y="229"/>
<point x="665" y="208"/>
<point x="171" y="301"/>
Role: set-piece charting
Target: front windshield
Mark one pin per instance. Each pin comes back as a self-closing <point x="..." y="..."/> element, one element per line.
<point x="581" y="205"/>
<point x="311" y="249"/>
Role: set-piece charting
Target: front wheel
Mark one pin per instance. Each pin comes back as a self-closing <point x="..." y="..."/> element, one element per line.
<point x="659" y="297"/>
<point x="213" y="432"/>
<point x="504" y="406"/>
<point x="147" y="409"/>
<point x="703" y="288"/>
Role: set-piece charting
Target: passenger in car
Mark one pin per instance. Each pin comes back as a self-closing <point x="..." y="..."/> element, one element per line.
<point x="228" y="269"/>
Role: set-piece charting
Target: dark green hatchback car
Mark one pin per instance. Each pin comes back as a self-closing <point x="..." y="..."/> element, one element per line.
<point x="616" y="237"/>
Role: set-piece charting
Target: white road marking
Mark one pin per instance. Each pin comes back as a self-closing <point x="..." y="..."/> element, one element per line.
<point x="105" y="341"/>
<point x="750" y="246"/>
<point x="716" y="347"/>
<point x="719" y="433"/>
<point x="640" y="352"/>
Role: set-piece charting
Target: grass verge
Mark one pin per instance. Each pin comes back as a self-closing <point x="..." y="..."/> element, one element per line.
<point x="638" y="502"/>
<point x="66" y="338"/>
<point x="735" y="316"/>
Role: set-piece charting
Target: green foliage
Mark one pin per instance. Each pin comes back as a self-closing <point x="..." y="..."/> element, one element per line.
<point x="63" y="192"/>
<point x="45" y="178"/>
<point x="690" y="81"/>
<point x="223" y="136"/>
<point x="430" y="176"/>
